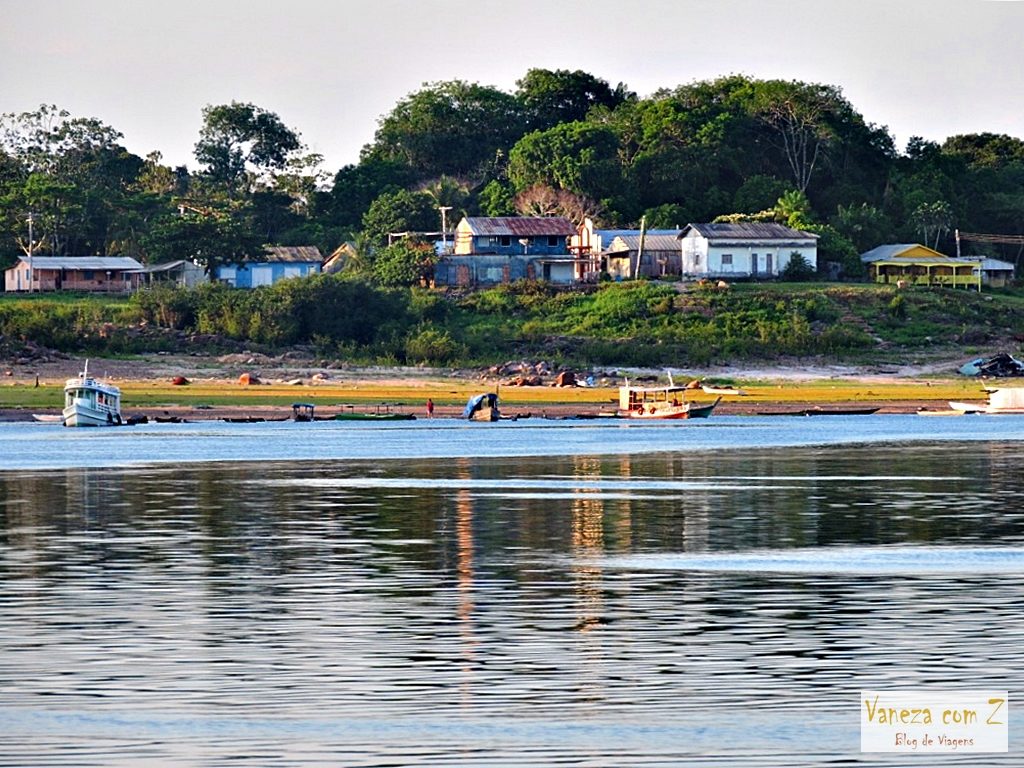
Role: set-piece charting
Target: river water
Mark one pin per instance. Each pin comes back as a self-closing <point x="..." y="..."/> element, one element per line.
<point x="529" y="593"/>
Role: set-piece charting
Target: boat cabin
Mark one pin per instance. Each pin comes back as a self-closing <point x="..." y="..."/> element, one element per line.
<point x="650" y="398"/>
<point x="303" y="411"/>
<point x="482" y="407"/>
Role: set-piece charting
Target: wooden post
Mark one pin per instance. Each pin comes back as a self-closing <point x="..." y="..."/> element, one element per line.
<point x="640" y="249"/>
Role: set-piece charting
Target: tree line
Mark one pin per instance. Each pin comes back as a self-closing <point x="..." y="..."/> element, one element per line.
<point x="563" y="142"/>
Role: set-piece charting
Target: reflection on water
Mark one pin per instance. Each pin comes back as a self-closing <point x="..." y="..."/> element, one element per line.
<point x="625" y="609"/>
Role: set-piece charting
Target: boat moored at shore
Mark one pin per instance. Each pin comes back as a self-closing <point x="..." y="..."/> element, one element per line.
<point x="1000" y="400"/>
<point x="661" y="403"/>
<point x="89" y="402"/>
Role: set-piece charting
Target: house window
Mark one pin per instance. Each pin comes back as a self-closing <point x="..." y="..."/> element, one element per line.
<point x="553" y="240"/>
<point x="87" y="275"/>
<point x="726" y="259"/>
<point x="493" y="240"/>
<point x="506" y="240"/>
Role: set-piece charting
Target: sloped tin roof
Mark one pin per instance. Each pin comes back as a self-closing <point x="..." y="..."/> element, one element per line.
<point x="305" y="254"/>
<point x="748" y="230"/>
<point x="520" y="226"/>
<point x="631" y="242"/>
<point x="97" y="263"/>
<point x="893" y="250"/>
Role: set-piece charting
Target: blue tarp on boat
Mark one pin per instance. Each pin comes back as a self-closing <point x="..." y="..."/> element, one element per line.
<point x="476" y="402"/>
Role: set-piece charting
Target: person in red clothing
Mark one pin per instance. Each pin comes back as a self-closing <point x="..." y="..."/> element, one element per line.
<point x="430" y="408"/>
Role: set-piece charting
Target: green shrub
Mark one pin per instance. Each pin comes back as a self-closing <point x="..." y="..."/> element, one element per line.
<point x="797" y="269"/>
<point x="429" y="345"/>
<point x="898" y="307"/>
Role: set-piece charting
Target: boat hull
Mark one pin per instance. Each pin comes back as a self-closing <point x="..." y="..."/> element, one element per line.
<point x="375" y="417"/>
<point x="670" y="412"/>
<point x="76" y="415"/>
<point x="89" y="402"/>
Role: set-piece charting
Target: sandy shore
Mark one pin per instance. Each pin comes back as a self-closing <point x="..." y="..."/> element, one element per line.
<point x="145" y="383"/>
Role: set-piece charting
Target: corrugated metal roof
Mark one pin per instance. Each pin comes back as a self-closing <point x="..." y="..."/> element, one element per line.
<point x="306" y="254"/>
<point x="992" y="265"/>
<point x="520" y="226"/>
<point x="748" y="230"/>
<point x="100" y="263"/>
<point x="669" y="242"/>
<point x="891" y="251"/>
<point x="948" y="260"/>
<point x="611" y="234"/>
<point x="167" y="266"/>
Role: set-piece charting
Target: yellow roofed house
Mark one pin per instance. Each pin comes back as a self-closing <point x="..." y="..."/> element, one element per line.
<point x="916" y="264"/>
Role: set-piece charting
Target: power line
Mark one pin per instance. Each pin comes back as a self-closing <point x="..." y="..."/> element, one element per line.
<point x="986" y="238"/>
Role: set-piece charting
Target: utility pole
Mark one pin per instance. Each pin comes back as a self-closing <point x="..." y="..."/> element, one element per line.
<point x="444" y="226"/>
<point x="31" y="276"/>
<point x="640" y="250"/>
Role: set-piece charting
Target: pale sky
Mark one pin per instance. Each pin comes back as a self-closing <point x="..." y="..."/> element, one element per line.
<point x="330" y="70"/>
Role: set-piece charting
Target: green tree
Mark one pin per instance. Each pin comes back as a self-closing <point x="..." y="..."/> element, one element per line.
<point x="497" y="199"/>
<point x="759" y="193"/>
<point x="798" y="115"/>
<point x="932" y="220"/>
<point x="210" y="237"/>
<point x="403" y="263"/>
<point x="71" y="173"/>
<point x="834" y="247"/>
<point x="864" y="225"/>
<point x="794" y="209"/>
<point x="401" y="211"/>
<point x="453" y="128"/>
<point x="577" y="157"/>
<point x="355" y="187"/>
<point x="550" y="97"/>
<point x="242" y="144"/>
<point x="797" y="269"/>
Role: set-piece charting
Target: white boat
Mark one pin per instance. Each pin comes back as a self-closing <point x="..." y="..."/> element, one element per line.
<point x="661" y="403"/>
<point x="48" y="418"/>
<point x="710" y="389"/>
<point x="1003" y="400"/>
<point x="89" y="402"/>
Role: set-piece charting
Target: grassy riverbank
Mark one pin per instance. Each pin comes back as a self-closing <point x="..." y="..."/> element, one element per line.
<point x="643" y="324"/>
<point x="451" y="392"/>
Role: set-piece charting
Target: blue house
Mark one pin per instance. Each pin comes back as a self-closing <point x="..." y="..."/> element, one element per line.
<point x="500" y="249"/>
<point x="513" y="235"/>
<point x="278" y="263"/>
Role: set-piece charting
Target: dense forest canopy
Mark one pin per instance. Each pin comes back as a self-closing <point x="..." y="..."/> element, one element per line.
<point x="562" y="142"/>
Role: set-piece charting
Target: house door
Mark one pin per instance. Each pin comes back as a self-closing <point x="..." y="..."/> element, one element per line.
<point x="768" y="263"/>
<point x="753" y="263"/>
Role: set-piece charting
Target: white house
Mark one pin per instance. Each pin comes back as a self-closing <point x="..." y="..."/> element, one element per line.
<point x="746" y="249"/>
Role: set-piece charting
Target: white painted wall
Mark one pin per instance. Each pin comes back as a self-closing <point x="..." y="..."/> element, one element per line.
<point x="702" y="259"/>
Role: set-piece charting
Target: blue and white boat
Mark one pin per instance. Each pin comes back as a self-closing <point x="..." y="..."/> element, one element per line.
<point x="89" y="402"/>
